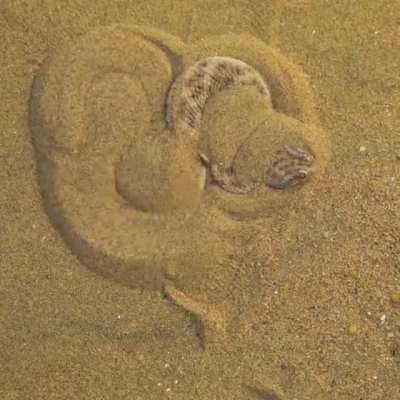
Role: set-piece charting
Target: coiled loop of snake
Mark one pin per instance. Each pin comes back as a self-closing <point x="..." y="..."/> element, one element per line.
<point x="190" y="92"/>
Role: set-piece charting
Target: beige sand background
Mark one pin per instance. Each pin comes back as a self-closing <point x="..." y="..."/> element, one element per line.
<point x="324" y="283"/>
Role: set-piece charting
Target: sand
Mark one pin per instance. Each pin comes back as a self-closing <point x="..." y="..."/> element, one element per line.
<point x="123" y="277"/>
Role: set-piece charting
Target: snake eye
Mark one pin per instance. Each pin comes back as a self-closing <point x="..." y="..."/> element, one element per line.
<point x="302" y="174"/>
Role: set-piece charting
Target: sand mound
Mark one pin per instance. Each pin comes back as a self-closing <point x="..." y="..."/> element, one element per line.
<point x="126" y="190"/>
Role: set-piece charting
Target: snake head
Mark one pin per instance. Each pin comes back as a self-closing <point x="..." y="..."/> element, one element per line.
<point x="291" y="167"/>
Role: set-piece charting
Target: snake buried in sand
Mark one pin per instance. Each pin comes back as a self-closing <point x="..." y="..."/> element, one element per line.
<point x="187" y="99"/>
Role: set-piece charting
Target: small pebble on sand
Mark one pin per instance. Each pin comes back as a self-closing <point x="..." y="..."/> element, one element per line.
<point x="362" y="150"/>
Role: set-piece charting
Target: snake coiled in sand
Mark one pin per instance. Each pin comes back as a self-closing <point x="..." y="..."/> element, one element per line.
<point x="187" y="99"/>
<point x="117" y="172"/>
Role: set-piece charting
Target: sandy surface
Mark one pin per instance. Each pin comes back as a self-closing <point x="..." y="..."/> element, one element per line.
<point x="275" y="295"/>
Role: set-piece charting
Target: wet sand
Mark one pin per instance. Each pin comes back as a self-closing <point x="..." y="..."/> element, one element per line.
<point x="181" y="291"/>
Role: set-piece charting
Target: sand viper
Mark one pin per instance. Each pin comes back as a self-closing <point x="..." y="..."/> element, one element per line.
<point x="187" y="99"/>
